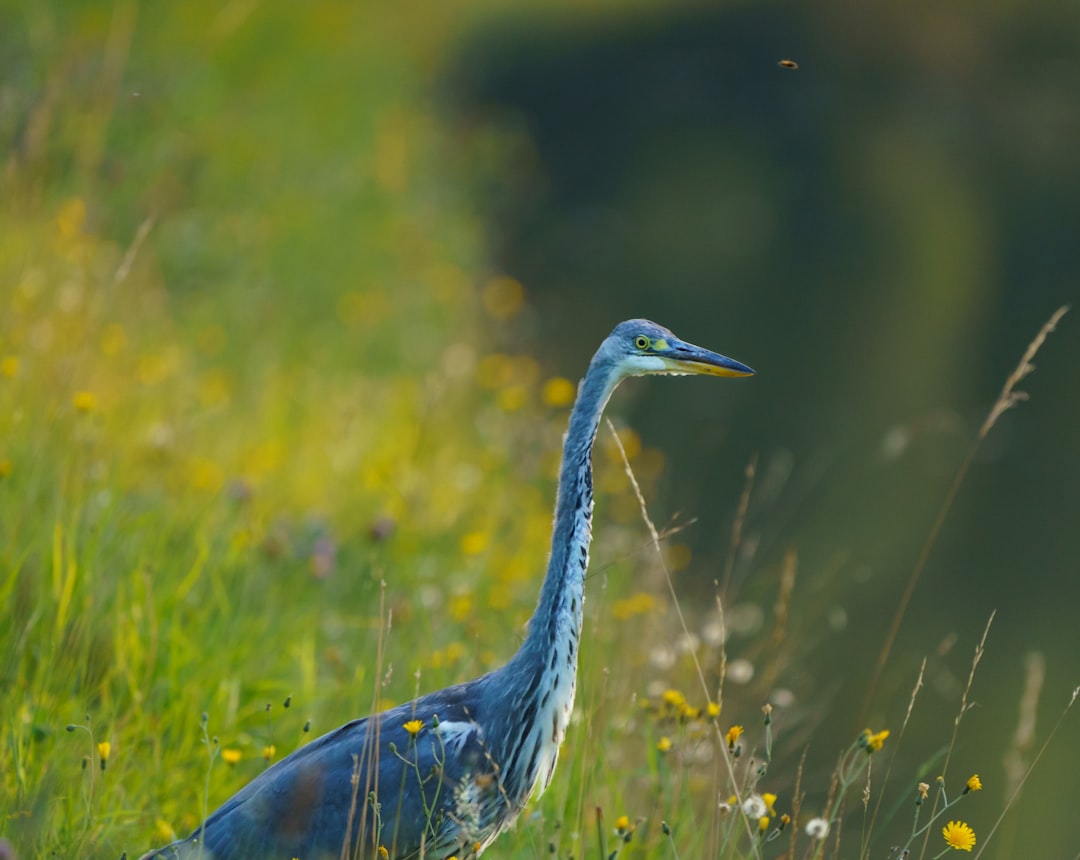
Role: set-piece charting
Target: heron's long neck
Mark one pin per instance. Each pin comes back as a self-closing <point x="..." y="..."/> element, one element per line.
<point x="540" y="681"/>
<point x="556" y="623"/>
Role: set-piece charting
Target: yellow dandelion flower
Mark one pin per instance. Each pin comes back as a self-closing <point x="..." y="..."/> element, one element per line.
<point x="383" y="853"/>
<point x="873" y="741"/>
<point x="733" y="735"/>
<point x="413" y="727"/>
<point x="958" y="835"/>
<point x="622" y="823"/>
<point x="231" y="756"/>
<point x="763" y="823"/>
<point x="973" y="784"/>
<point x="9" y="366"/>
<point x="674" y="699"/>
<point x="664" y="744"/>
<point x="269" y="751"/>
<point x="712" y="709"/>
<point x="558" y="392"/>
<point x="84" y="401"/>
<point x="770" y="800"/>
<point x="103" y="750"/>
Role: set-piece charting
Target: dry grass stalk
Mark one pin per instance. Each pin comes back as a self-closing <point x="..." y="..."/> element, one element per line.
<point x="737" y="526"/>
<point x="1008" y="398"/>
<point x="655" y="535"/>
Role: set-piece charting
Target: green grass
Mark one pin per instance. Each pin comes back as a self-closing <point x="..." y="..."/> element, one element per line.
<point x="252" y="435"/>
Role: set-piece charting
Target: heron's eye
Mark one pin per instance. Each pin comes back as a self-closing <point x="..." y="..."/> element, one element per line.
<point x="641" y="342"/>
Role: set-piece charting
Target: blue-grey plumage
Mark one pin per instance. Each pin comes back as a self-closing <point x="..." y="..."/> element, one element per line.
<point x="445" y="774"/>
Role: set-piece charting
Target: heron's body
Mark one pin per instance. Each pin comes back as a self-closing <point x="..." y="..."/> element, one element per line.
<point x="449" y="787"/>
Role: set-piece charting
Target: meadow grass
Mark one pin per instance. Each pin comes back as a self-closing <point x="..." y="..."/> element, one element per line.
<point x="269" y="461"/>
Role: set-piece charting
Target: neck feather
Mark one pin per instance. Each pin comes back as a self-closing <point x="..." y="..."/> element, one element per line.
<point x="541" y="679"/>
<point x="556" y="623"/>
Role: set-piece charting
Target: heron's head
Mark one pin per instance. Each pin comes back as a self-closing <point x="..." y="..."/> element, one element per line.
<point x="642" y="348"/>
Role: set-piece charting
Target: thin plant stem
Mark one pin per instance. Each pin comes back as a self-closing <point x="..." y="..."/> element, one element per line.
<point x="1008" y="398"/>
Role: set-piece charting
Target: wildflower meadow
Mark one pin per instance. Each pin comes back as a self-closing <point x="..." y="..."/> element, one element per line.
<point x="278" y="449"/>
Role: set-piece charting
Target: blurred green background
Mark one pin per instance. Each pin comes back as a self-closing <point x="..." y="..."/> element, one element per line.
<point x="343" y="207"/>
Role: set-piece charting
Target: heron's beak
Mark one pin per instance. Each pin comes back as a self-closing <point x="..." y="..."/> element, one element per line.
<point x="687" y="358"/>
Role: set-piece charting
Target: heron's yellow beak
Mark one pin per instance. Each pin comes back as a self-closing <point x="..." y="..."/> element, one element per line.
<point x="687" y="358"/>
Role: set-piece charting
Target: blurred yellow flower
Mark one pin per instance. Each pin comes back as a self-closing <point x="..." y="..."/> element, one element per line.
<point x="558" y="392"/>
<point x="461" y="607"/>
<point x="763" y="823"/>
<point x="383" y="853"/>
<point x="206" y="475"/>
<point x="413" y="727"/>
<point x="164" y="830"/>
<point x="622" y="823"/>
<point x="712" y="709"/>
<point x="640" y="603"/>
<point x="84" y="401"/>
<point x="9" y="366"/>
<point x="770" y="801"/>
<point x="231" y="756"/>
<point x="71" y="217"/>
<point x="113" y="340"/>
<point x="473" y="543"/>
<point x="874" y="740"/>
<point x="733" y="735"/>
<point x="269" y="751"/>
<point x="973" y="784"/>
<point x="958" y="835"/>
<point x="664" y="744"/>
<point x="512" y="398"/>
<point x="503" y="297"/>
<point x="674" y="698"/>
<point x="103" y="750"/>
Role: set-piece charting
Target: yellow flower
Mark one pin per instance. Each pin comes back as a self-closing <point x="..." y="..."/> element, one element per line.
<point x="712" y="709"/>
<point x="770" y="800"/>
<point x="923" y="789"/>
<point x="733" y="735"/>
<point x="664" y="744"/>
<point x="84" y="401"/>
<point x="9" y="366"/>
<point x="559" y="391"/>
<point x="688" y="712"/>
<point x="874" y="740"/>
<point x="231" y="756"/>
<point x="473" y="543"/>
<point x="622" y="823"/>
<point x="413" y="727"/>
<point x="959" y="835"/>
<point x="383" y="853"/>
<point x="268" y="751"/>
<point x="503" y="297"/>
<point x="674" y="698"/>
<point x="973" y="784"/>
<point x="103" y="750"/>
<point x="763" y="823"/>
